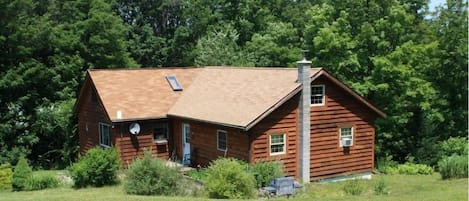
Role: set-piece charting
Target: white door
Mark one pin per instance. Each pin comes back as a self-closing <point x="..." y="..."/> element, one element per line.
<point x="186" y="146"/>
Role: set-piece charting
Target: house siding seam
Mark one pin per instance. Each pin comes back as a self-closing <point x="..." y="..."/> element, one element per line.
<point x="328" y="159"/>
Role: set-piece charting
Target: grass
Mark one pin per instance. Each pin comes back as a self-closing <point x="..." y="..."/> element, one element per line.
<point x="401" y="187"/>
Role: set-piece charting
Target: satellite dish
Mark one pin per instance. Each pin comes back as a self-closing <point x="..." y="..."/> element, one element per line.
<point x="134" y="128"/>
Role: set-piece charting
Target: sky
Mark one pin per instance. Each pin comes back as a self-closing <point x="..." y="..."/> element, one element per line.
<point x="434" y="3"/>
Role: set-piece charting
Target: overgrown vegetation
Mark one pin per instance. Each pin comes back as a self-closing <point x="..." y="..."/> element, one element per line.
<point x="21" y="174"/>
<point x="39" y="181"/>
<point x="381" y="188"/>
<point x="354" y="187"/>
<point x="5" y="176"/>
<point x="228" y="178"/>
<point x="264" y="172"/>
<point x="454" y="166"/>
<point x="97" y="168"/>
<point x="150" y="176"/>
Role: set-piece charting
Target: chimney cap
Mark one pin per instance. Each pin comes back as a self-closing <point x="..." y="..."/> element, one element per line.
<point x="303" y="53"/>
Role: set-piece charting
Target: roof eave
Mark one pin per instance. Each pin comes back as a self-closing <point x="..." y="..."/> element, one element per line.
<point x="207" y="121"/>
<point x="138" y="119"/>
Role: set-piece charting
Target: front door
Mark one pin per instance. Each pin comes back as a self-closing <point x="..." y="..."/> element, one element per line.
<point x="186" y="146"/>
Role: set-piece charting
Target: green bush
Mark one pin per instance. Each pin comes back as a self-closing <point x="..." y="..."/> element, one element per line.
<point x="199" y="175"/>
<point x="381" y="188"/>
<point x="264" y="172"/>
<point x="39" y="181"/>
<point x="150" y="176"/>
<point x="21" y="174"/>
<point x="97" y="168"/>
<point x="414" y="169"/>
<point x="354" y="187"/>
<point x="454" y="166"/>
<point x="386" y="165"/>
<point x="228" y="178"/>
<point x="5" y="176"/>
<point x="453" y="145"/>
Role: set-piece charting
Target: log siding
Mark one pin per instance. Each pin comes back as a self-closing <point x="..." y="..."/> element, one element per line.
<point x="328" y="159"/>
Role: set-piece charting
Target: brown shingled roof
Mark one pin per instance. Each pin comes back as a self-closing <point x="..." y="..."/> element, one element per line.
<point x="231" y="96"/>
<point x="235" y="96"/>
<point x="139" y="93"/>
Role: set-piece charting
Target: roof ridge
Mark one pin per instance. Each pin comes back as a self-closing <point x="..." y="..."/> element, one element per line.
<point x="145" y="68"/>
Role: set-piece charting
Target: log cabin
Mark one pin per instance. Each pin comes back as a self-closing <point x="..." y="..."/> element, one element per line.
<point x="304" y="117"/>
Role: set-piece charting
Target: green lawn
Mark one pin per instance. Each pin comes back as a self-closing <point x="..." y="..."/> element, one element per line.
<point x="401" y="187"/>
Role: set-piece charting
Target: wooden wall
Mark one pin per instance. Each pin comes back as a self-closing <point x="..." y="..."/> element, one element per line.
<point x="204" y="142"/>
<point x="133" y="146"/>
<point x="90" y="114"/>
<point x="283" y="120"/>
<point x="328" y="159"/>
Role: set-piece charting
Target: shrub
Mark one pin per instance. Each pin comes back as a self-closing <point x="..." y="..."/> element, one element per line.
<point x="97" y="168"/>
<point x="454" y="166"/>
<point x="454" y="145"/>
<point x="199" y="175"/>
<point x="150" y="176"/>
<point x="386" y="165"/>
<point x="264" y="172"/>
<point x="413" y="169"/>
<point x="41" y="181"/>
<point x="354" y="187"/>
<point x="381" y="188"/>
<point x="228" y="178"/>
<point x="5" y="176"/>
<point x="21" y="174"/>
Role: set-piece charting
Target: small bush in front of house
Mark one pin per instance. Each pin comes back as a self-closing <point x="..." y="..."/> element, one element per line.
<point x="150" y="176"/>
<point x="21" y="174"/>
<point x="381" y="188"/>
<point x="227" y="178"/>
<point x="97" y="168"/>
<point x="39" y="181"/>
<point x="414" y="169"/>
<point x="264" y="172"/>
<point x="354" y="187"/>
<point x="454" y="166"/>
<point x="5" y="176"/>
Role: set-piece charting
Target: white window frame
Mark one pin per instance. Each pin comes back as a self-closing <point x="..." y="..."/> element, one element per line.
<point x="218" y="140"/>
<point x="323" y="95"/>
<point x="345" y="137"/>
<point x="284" y="143"/>
<point x="101" y="137"/>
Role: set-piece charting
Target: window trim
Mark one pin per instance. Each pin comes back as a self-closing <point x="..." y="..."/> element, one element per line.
<point x="317" y="95"/>
<point x="341" y="137"/>
<point x="284" y="135"/>
<point x="100" y="135"/>
<point x="218" y="140"/>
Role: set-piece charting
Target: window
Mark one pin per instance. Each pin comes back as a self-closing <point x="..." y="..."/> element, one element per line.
<point x="104" y="135"/>
<point x="222" y="140"/>
<point x="317" y="94"/>
<point x="277" y="144"/>
<point x="346" y="136"/>
<point x="173" y="81"/>
<point x="160" y="131"/>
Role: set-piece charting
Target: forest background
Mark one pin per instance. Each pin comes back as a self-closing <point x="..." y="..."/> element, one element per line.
<point x="409" y="61"/>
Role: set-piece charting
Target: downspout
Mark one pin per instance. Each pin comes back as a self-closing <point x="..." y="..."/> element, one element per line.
<point x="304" y="124"/>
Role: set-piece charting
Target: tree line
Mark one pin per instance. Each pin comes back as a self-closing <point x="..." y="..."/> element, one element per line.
<point x="407" y="60"/>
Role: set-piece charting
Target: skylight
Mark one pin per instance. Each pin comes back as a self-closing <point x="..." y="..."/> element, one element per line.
<point x="173" y="81"/>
